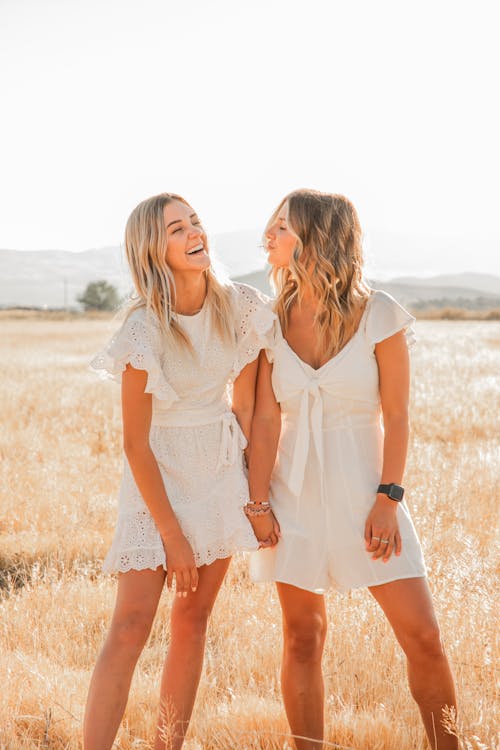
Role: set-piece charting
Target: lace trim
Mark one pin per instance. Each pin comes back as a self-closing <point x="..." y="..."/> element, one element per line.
<point x="134" y="344"/>
<point x="411" y="337"/>
<point x="255" y="325"/>
<point x="145" y="558"/>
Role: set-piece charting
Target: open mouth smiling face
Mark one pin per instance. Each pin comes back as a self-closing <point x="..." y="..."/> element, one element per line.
<point x="187" y="246"/>
<point x="198" y="249"/>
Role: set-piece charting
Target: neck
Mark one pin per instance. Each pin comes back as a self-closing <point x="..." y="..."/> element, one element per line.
<point x="191" y="290"/>
<point x="308" y="303"/>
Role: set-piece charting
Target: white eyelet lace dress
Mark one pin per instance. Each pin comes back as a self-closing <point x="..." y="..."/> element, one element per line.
<point x="330" y="461"/>
<point x="194" y="435"/>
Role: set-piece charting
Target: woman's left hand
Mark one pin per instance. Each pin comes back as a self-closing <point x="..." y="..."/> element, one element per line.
<point x="266" y="529"/>
<point x="382" y="536"/>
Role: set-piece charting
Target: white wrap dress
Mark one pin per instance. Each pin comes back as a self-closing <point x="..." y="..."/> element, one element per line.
<point x="194" y="435"/>
<point x="329" y="463"/>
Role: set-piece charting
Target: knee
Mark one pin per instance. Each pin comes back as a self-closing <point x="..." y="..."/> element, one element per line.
<point x="131" y="631"/>
<point x="424" y="644"/>
<point x="190" y="621"/>
<point x="305" y="638"/>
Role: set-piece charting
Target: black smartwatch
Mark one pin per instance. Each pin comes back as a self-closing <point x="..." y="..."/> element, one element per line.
<point x="394" y="491"/>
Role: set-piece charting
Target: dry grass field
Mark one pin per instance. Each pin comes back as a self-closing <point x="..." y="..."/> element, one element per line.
<point x="60" y="468"/>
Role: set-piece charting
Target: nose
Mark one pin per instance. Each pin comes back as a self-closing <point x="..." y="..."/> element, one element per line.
<point x="270" y="234"/>
<point x="196" y="231"/>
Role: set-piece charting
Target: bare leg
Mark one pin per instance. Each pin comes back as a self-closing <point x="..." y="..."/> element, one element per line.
<point x="184" y="662"/>
<point x="136" y="603"/>
<point x="408" y="606"/>
<point x="304" y="631"/>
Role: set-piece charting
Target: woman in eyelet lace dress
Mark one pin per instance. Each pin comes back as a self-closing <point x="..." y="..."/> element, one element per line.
<point x="336" y="372"/>
<point x="181" y="506"/>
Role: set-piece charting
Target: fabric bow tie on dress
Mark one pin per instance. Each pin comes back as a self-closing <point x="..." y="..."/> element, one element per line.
<point x="308" y="422"/>
<point x="233" y="441"/>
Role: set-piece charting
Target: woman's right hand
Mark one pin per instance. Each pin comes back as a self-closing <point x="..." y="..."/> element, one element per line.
<point x="180" y="563"/>
<point x="266" y="529"/>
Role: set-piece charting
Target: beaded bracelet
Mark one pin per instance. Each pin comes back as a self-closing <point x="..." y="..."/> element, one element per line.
<point x="252" y="510"/>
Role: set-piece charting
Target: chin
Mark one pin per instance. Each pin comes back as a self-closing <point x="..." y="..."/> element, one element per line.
<point x="201" y="265"/>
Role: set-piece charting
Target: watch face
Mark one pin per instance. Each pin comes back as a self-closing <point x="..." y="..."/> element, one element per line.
<point x="396" y="492"/>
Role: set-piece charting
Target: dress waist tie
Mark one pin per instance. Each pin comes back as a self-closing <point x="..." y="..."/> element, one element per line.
<point x="308" y="422"/>
<point x="233" y="441"/>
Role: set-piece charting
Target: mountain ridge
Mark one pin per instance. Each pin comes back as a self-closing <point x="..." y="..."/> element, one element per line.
<point x="55" y="278"/>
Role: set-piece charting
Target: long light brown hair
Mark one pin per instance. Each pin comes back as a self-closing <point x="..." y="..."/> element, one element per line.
<point x="145" y="247"/>
<point x="326" y="264"/>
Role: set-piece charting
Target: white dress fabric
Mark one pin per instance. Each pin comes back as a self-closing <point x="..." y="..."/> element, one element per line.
<point x="194" y="435"/>
<point x="329" y="463"/>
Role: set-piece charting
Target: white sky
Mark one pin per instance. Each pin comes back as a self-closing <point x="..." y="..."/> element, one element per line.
<point x="233" y="104"/>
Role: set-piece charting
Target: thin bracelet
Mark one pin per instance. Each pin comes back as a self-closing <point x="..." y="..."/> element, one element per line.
<point x="257" y="509"/>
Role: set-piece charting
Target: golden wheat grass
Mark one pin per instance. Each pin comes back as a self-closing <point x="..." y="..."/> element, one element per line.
<point x="60" y="465"/>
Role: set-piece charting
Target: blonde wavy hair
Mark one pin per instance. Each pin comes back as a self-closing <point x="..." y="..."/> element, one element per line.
<point x="145" y="247"/>
<point x="326" y="265"/>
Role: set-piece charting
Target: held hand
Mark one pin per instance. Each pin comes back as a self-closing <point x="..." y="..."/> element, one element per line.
<point x="181" y="564"/>
<point x="275" y="535"/>
<point x="382" y="536"/>
<point x="266" y="529"/>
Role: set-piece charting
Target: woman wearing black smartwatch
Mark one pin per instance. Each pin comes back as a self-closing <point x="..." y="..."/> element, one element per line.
<point x="332" y="405"/>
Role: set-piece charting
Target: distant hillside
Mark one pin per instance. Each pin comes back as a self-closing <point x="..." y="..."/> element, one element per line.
<point x="55" y="278"/>
<point x="421" y="294"/>
<point x="478" y="281"/>
<point x="417" y="294"/>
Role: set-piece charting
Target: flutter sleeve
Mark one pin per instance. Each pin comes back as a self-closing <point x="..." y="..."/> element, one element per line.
<point x="136" y="343"/>
<point x="255" y="325"/>
<point x="386" y="317"/>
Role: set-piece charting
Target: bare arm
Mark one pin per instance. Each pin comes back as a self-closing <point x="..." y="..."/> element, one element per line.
<point x="244" y="397"/>
<point x="266" y="428"/>
<point x="136" y="412"/>
<point x="394" y="379"/>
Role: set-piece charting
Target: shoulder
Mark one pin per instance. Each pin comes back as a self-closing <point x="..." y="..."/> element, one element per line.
<point x="379" y="298"/>
<point x="142" y="318"/>
<point x="136" y="342"/>
<point x="255" y="321"/>
<point x="244" y="294"/>
<point x="253" y="306"/>
<point x="385" y="316"/>
<point x="380" y="303"/>
<point x="141" y="329"/>
<point x="141" y="314"/>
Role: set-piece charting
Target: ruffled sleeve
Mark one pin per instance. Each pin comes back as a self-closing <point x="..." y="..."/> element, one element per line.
<point x="136" y="343"/>
<point x="255" y="325"/>
<point x="386" y="317"/>
<point x="274" y="337"/>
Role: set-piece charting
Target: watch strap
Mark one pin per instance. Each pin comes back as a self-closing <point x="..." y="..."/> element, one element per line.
<point x="394" y="491"/>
